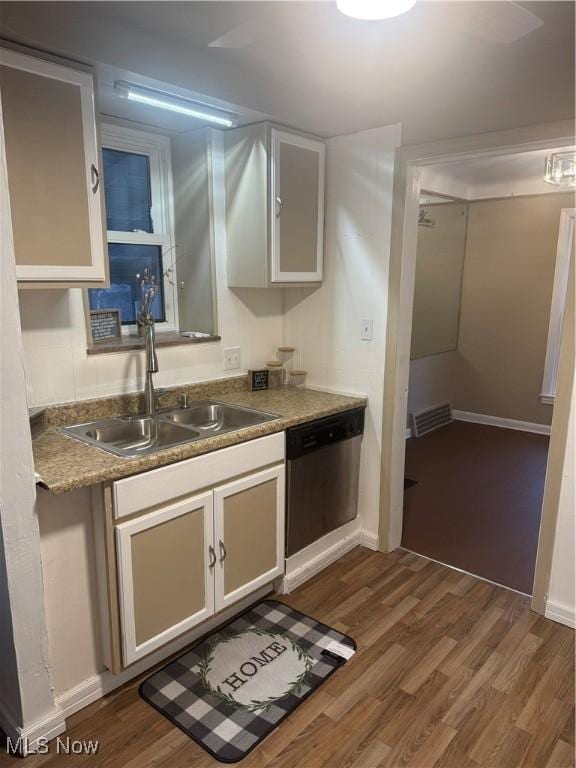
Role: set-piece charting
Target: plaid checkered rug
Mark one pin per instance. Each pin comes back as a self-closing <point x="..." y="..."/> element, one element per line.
<point x="233" y="688"/>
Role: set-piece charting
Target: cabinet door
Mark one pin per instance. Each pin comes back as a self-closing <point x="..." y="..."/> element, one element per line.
<point x="53" y="176"/>
<point x="166" y="580"/>
<point x="297" y="208"/>
<point x="248" y="534"/>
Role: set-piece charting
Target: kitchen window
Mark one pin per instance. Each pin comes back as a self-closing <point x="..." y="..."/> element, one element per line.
<point x="139" y="221"/>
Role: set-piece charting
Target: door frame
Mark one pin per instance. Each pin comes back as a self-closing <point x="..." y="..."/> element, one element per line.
<point x="564" y="251"/>
<point x="407" y="186"/>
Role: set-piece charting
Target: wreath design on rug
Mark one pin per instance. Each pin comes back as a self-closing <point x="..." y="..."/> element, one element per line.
<point x="294" y="687"/>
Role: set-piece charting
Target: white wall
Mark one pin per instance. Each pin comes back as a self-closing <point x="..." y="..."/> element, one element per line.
<point x="561" y="604"/>
<point x="70" y="586"/>
<point x="54" y="336"/>
<point x="324" y="324"/>
<point x="436" y="178"/>
<point x="25" y="688"/>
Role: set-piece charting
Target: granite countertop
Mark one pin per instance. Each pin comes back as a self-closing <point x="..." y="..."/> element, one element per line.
<point x="65" y="463"/>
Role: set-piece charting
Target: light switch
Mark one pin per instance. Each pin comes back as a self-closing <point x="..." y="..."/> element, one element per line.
<point x="231" y="358"/>
<point x="366" y="329"/>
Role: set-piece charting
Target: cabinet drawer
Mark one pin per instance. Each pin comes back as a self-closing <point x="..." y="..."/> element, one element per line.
<point x="158" y="486"/>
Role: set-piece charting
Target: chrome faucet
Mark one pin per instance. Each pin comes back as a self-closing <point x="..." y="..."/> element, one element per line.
<point x="146" y="324"/>
<point x="151" y="367"/>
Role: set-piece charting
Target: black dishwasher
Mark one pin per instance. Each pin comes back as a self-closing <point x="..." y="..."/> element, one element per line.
<point x="323" y="466"/>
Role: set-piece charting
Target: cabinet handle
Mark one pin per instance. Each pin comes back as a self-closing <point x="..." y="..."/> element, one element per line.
<point x="280" y="205"/>
<point x="95" y="177"/>
<point x="212" y="553"/>
<point x="223" y="552"/>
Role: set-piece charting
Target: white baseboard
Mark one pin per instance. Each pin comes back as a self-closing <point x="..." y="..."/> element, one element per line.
<point x="498" y="421"/>
<point x="370" y="540"/>
<point x="408" y="433"/>
<point x="46" y="729"/>
<point x="561" y="613"/>
<point x="25" y="740"/>
<point x="86" y="693"/>
<point x="313" y="559"/>
<point x="547" y="399"/>
<point x="97" y="686"/>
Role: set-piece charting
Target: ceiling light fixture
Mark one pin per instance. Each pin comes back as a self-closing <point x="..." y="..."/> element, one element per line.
<point x="372" y="10"/>
<point x="561" y="169"/>
<point x="173" y="103"/>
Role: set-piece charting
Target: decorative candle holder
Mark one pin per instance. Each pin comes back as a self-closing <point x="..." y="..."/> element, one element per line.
<point x="285" y="355"/>
<point x="276" y="374"/>
<point x="297" y="378"/>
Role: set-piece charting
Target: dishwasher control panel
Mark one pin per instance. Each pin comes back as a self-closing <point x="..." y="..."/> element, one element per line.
<point x="305" y="438"/>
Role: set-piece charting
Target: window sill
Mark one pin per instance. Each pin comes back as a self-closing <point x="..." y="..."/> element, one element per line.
<point x="129" y="343"/>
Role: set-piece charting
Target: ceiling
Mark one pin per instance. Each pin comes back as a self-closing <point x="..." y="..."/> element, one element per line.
<point x="444" y="69"/>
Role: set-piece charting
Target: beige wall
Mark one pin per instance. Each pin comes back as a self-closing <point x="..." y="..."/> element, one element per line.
<point x="437" y="288"/>
<point x="506" y="295"/>
<point x="509" y="266"/>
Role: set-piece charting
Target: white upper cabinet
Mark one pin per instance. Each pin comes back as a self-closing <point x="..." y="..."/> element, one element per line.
<point x="274" y="207"/>
<point x="53" y="170"/>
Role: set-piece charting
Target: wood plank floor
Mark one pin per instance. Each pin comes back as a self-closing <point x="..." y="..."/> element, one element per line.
<point x="451" y="672"/>
<point x="477" y="501"/>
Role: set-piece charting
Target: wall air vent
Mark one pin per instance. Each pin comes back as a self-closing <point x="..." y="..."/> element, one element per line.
<point x="430" y="419"/>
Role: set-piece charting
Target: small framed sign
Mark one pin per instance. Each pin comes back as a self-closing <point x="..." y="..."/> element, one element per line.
<point x="105" y="325"/>
<point x="258" y="380"/>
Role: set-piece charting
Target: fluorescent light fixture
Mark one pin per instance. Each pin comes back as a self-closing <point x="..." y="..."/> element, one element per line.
<point x="173" y="103"/>
<point x="561" y="169"/>
<point x="372" y="10"/>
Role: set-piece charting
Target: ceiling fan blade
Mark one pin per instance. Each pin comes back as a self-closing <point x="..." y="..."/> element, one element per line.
<point x="243" y="35"/>
<point x="500" y="22"/>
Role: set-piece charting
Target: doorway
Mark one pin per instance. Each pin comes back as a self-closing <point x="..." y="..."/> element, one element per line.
<point x="495" y="444"/>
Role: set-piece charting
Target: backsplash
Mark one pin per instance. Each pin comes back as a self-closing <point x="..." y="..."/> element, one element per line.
<point x="133" y="403"/>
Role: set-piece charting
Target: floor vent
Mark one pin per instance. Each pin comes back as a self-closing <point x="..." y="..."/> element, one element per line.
<point x="430" y="419"/>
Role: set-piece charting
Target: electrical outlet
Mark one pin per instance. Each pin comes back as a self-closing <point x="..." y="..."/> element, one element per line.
<point x="231" y="358"/>
<point x="366" y="329"/>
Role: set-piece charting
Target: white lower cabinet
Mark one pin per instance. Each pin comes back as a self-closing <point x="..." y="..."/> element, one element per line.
<point x="165" y="581"/>
<point x="249" y="534"/>
<point x="182" y="562"/>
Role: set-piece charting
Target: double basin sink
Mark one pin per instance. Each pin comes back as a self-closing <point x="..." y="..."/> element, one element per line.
<point x="133" y="436"/>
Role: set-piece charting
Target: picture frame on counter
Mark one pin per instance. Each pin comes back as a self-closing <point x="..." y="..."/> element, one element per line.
<point x="105" y="325"/>
<point x="259" y="380"/>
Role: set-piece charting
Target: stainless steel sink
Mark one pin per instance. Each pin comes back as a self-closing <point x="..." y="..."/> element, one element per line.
<point x="132" y="436"/>
<point x="209" y="416"/>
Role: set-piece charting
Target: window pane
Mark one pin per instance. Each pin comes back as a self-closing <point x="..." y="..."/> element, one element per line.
<point x="127" y="189"/>
<point x="127" y="261"/>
